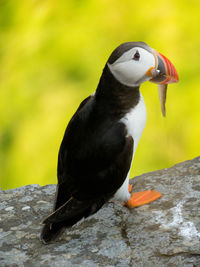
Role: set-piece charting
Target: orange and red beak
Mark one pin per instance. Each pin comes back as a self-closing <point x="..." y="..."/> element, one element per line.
<point x="165" y="71"/>
<point x="162" y="74"/>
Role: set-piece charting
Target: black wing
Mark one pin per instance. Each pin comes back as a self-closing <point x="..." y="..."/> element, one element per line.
<point x="95" y="154"/>
<point x="93" y="162"/>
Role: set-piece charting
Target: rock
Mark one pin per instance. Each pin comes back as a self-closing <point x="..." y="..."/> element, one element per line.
<point x="163" y="233"/>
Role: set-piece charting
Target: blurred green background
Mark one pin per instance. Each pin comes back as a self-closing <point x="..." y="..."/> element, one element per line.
<point x="51" y="57"/>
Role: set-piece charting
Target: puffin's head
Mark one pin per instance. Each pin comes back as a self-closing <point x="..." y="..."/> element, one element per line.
<point x="133" y="63"/>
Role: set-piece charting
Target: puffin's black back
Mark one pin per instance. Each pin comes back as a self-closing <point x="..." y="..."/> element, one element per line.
<point x="94" y="157"/>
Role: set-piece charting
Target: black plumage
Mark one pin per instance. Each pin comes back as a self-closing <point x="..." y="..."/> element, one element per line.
<point x="95" y="155"/>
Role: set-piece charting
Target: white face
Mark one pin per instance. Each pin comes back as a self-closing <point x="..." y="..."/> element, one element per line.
<point x="131" y="68"/>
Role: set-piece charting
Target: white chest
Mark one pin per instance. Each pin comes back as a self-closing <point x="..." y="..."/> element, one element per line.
<point x="135" y="121"/>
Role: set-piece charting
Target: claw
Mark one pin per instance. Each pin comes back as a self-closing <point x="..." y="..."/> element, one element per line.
<point x="130" y="186"/>
<point x="142" y="198"/>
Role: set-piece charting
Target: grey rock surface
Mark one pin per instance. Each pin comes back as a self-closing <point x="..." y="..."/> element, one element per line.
<point x="163" y="233"/>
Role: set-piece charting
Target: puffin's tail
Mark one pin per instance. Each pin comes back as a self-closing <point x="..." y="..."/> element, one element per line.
<point x="51" y="231"/>
<point x="67" y="215"/>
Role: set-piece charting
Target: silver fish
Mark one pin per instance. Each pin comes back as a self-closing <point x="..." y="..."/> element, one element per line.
<point x="162" y="89"/>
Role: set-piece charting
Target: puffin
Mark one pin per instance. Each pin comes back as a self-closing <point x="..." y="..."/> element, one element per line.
<point x="100" y="141"/>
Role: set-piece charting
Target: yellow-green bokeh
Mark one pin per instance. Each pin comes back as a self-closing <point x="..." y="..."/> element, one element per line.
<point x="51" y="57"/>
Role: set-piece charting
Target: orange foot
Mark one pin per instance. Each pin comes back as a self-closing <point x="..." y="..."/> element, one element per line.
<point x="140" y="198"/>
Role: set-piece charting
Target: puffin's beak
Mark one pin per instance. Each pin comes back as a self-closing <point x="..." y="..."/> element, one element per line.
<point x="163" y="73"/>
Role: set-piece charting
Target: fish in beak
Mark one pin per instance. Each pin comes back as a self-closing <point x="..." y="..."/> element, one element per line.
<point x="162" y="74"/>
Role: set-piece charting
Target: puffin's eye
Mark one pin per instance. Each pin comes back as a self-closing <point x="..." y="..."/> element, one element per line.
<point x="136" y="56"/>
